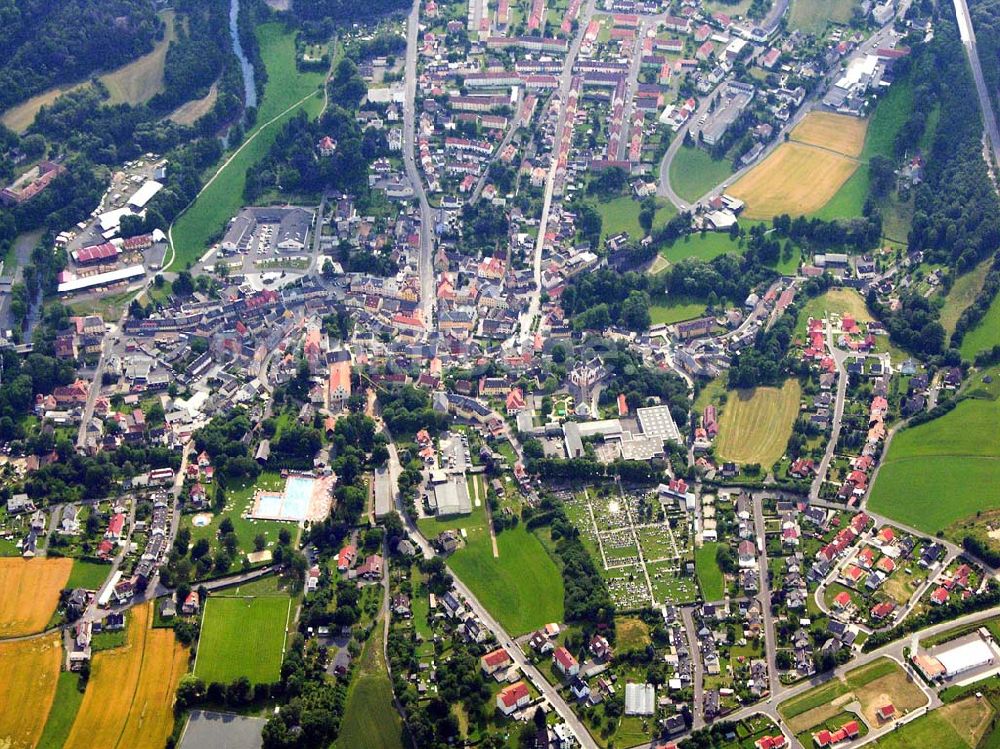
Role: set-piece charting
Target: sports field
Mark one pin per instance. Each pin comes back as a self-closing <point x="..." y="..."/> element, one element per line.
<point x="232" y="626"/>
<point x="710" y="577"/>
<point x="134" y="83"/>
<point x="129" y="698"/>
<point x="955" y="457"/>
<point x="30" y="671"/>
<point x="370" y="719"/>
<point x="834" y="132"/>
<point x="520" y="602"/>
<point x="757" y="423"/>
<point x="287" y="92"/>
<point x="29" y="593"/>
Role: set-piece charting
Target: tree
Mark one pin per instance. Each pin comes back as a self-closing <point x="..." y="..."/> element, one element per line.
<point x="226" y="526"/>
<point x="260" y="542"/>
<point x="183" y="285"/>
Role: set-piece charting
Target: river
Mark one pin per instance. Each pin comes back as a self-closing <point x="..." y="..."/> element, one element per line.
<point x="249" y="86"/>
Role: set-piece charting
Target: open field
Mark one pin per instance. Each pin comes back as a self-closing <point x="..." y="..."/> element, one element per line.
<point x="230" y="626"/>
<point x="667" y="311"/>
<point x="963" y="292"/>
<point x="985" y="335"/>
<point x="710" y="577"/>
<point x="631" y="634"/>
<point x="88" y="575"/>
<point x="932" y="729"/>
<point x="29" y="593"/>
<point x="834" y="132"/>
<point x="622" y="214"/>
<point x="189" y="112"/>
<point x="64" y="709"/>
<point x="28" y="688"/>
<point x="286" y="86"/>
<point x="794" y="179"/>
<point x="370" y="719"/>
<point x="838" y="302"/>
<point x="134" y="83"/>
<point x="756" y="424"/>
<point x="812" y="16"/>
<point x="129" y="698"/>
<point x="826" y="693"/>
<point x="970" y="717"/>
<point x="693" y="172"/>
<point x="958" y="452"/>
<point x="520" y="602"/>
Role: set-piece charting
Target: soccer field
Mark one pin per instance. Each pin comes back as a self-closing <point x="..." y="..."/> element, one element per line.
<point x="757" y="423"/>
<point x="231" y="628"/>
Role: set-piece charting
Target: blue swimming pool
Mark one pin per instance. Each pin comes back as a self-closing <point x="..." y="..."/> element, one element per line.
<point x="298" y="494"/>
<point x="269" y="505"/>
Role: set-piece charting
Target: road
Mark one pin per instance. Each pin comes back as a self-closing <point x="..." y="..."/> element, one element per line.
<point x="95" y="385"/>
<point x="425" y="259"/>
<point x="765" y="597"/>
<point x="968" y="37"/>
<point x="691" y="631"/>
<point x="838" y="414"/>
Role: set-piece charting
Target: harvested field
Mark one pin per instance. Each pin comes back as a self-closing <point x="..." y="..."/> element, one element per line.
<point x="821" y="714"/>
<point x="894" y="688"/>
<point x="129" y="699"/>
<point x="29" y="593"/>
<point x="834" y="132"/>
<point x="969" y="717"/>
<point x="794" y="179"/>
<point x="30" y="672"/>
<point x="756" y="424"/>
<point x="189" y="112"/>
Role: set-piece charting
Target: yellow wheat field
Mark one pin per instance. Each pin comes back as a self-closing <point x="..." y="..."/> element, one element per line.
<point x="30" y="671"/>
<point x="837" y="132"/>
<point x="29" y="593"/>
<point x="129" y="699"/>
<point x="795" y="179"/>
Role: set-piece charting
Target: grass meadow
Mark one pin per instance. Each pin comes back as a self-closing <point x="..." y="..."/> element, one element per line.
<point x="943" y="471"/>
<point x="87" y="575"/>
<point x="813" y="16"/>
<point x="985" y="335"/>
<point x="756" y="424"/>
<point x="233" y="625"/>
<point x="710" y="578"/>
<point x="521" y="601"/>
<point x="64" y="709"/>
<point x="219" y="201"/>
<point x="963" y="292"/>
<point x="693" y="172"/>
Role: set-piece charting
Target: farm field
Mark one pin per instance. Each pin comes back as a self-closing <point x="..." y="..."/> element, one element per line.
<point x="28" y="688"/>
<point x="963" y="293"/>
<point x="88" y="575"/>
<point x="835" y="132"/>
<point x="985" y="335"/>
<point x="756" y="424"/>
<point x="134" y="83"/>
<point x="693" y="172"/>
<point x="836" y="302"/>
<point x="812" y="16"/>
<point x="286" y="89"/>
<point x="520" y="602"/>
<point x="64" y="709"/>
<point x="128" y="702"/>
<point x="710" y="577"/>
<point x="29" y="593"/>
<point x="370" y="720"/>
<point x="232" y="624"/>
<point x="794" y="179"/>
<point x="960" y="451"/>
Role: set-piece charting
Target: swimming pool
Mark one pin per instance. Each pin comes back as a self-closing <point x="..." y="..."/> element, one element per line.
<point x="294" y="503"/>
<point x="268" y="505"/>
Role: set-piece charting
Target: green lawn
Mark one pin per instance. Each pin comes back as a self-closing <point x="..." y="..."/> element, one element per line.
<point x="622" y="214"/>
<point x="709" y="575"/>
<point x="832" y="689"/>
<point x="370" y="719"/>
<point x="63" y="713"/>
<point x="985" y="335"/>
<point x="232" y="629"/>
<point x="931" y="729"/>
<point x="194" y="230"/>
<point x="702" y="246"/>
<point x="693" y="172"/>
<point x="955" y="458"/>
<point x="812" y="16"/>
<point x="668" y="311"/>
<point x="520" y="600"/>
<point x="88" y="575"/>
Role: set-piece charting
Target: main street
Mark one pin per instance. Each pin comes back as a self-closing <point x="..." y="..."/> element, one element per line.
<point x="968" y="36"/>
<point x="765" y="596"/>
<point x="425" y="262"/>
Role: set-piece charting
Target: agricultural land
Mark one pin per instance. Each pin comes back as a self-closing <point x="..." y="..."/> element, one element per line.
<point x="30" y="671"/>
<point x="29" y="593"/>
<point x="756" y="424"/>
